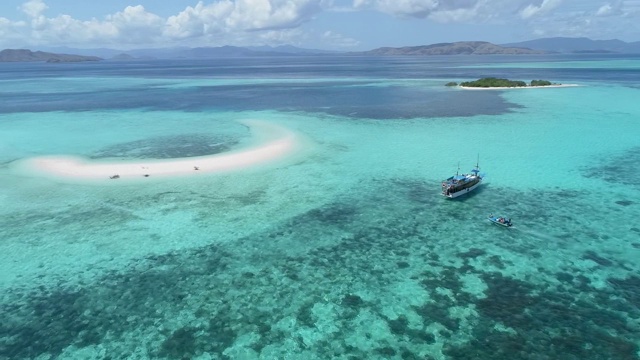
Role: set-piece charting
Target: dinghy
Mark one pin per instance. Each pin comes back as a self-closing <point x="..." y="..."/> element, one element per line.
<point x="500" y="220"/>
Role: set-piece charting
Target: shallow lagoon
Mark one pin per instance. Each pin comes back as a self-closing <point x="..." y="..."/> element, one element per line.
<point x="345" y="252"/>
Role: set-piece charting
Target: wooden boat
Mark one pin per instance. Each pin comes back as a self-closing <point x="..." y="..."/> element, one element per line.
<point x="461" y="184"/>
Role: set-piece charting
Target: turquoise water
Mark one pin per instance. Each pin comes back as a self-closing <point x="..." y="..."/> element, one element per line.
<point x="343" y="251"/>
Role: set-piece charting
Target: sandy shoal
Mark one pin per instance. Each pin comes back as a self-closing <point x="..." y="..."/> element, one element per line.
<point x="273" y="142"/>
<point x="517" y="87"/>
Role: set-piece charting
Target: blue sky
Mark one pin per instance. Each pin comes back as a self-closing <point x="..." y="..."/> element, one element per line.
<point x="349" y="25"/>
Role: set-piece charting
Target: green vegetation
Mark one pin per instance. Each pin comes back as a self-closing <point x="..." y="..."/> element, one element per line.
<point x="452" y="83"/>
<point x="506" y="83"/>
<point x="493" y="82"/>
<point x="540" y="83"/>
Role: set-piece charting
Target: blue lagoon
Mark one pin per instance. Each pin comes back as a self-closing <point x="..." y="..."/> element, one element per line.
<point x="339" y="247"/>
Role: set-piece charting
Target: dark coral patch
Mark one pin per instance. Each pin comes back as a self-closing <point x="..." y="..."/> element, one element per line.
<point x="386" y="351"/>
<point x="305" y="316"/>
<point x="610" y="168"/>
<point x="496" y="261"/>
<point x="181" y="343"/>
<point x="546" y="319"/>
<point x="399" y="326"/>
<point x="336" y="213"/>
<point x="437" y="311"/>
<point x="51" y="321"/>
<point x="628" y="288"/>
<point x="352" y="301"/>
<point x="507" y="299"/>
<point x="408" y="355"/>
<point x="564" y="277"/>
<point x="489" y="344"/>
<point x="591" y="255"/>
<point x="472" y="253"/>
<point x="220" y="335"/>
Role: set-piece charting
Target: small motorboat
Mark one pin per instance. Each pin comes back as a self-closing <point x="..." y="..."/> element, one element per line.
<point x="500" y="220"/>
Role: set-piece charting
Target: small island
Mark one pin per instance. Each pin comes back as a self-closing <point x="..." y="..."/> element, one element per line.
<point x="504" y="83"/>
<point x="492" y="83"/>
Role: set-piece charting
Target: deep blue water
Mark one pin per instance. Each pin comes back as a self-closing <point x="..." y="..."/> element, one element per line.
<point x="343" y="85"/>
<point x="440" y="67"/>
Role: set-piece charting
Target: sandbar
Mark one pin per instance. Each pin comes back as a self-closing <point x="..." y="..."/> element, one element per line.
<point x="272" y="142"/>
<point x="516" y="87"/>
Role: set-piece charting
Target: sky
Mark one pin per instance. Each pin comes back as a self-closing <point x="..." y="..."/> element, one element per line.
<point x="346" y="25"/>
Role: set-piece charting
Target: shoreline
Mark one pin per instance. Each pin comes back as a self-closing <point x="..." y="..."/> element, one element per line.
<point x="516" y="87"/>
<point x="273" y="143"/>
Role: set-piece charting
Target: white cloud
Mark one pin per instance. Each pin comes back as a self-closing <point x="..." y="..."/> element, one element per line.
<point x="221" y="20"/>
<point x="588" y="21"/>
<point x="533" y="17"/>
<point x="604" y="10"/>
<point x="227" y="20"/>
<point x="64" y="29"/>
<point x="199" y="20"/>
<point x="10" y="31"/>
<point x="480" y="11"/>
<point x="34" y="8"/>
<point x="413" y="8"/>
<point x="272" y="14"/>
<point x="134" y="24"/>
<point x="462" y="11"/>
<point x="135" y="16"/>
<point x="618" y="8"/>
<point x="252" y="22"/>
<point x="5" y="25"/>
<point x="533" y="10"/>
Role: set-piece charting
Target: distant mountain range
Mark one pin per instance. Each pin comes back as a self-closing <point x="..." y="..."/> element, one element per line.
<point x="195" y="53"/>
<point x="539" y="46"/>
<point x="61" y="54"/>
<point x="23" y="55"/>
<point x="456" y="48"/>
<point x="579" y="45"/>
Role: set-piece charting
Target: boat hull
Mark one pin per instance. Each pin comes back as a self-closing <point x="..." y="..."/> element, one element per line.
<point x="462" y="192"/>
<point x="497" y="222"/>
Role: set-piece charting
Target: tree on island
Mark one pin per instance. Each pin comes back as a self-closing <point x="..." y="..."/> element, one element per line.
<point x="540" y="83"/>
<point x="492" y="82"/>
<point x="452" y="83"/>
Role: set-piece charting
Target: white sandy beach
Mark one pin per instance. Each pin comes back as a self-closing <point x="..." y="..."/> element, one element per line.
<point x="517" y="87"/>
<point x="273" y="142"/>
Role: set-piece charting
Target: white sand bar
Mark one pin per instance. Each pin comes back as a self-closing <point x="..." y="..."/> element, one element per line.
<point x="517" y="87"/>
<point x="273" y="142"/>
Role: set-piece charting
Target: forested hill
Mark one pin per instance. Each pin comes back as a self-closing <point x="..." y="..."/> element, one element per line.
<point x="580" y="45"/>
<point x="456" y="48"/>
<point x="24" y="55"/>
